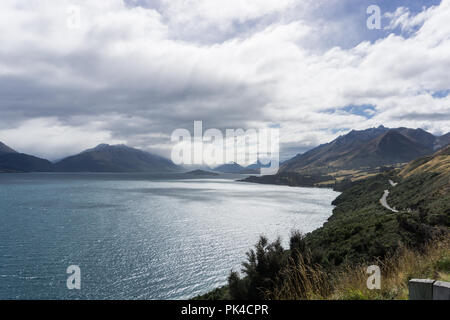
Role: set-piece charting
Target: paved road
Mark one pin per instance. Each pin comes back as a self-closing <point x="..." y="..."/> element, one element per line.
<point x="393" y="183"/>
<point x="384" y="202"/>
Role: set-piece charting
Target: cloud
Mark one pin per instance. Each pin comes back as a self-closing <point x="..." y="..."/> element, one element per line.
<point x="134" y="71"/>
<point x="52" y="137"/>
<point x="407" y="22"/>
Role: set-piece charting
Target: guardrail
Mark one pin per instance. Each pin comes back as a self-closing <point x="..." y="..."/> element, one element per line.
<point x="428" y="289"/>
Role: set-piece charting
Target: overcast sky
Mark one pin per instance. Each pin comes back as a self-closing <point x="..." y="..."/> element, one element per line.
<point x="133" y="71"/>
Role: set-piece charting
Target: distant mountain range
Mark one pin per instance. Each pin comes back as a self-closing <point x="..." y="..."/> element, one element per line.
<point x="115" y="158"/>
<point x="103" y="158"/>
<point x="234" y="167"/>
<point x="199" y="172"/>
<point x="369" y="148"/>
<point x="366" y="149"/>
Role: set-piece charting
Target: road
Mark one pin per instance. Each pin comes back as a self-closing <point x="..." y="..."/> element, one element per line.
<point x="393" y="183"/>
<point x="384" y="202"/>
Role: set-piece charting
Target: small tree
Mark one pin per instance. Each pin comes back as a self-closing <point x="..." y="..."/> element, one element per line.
<point x="262" y="268"/>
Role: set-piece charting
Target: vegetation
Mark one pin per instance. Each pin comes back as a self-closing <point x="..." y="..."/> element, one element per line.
<point x="330" y="262"/>
<point x="291" y="274"/>
<point x="303" y="281"/>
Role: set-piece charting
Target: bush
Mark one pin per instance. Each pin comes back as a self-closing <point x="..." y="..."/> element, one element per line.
<point x="262" y="269"/>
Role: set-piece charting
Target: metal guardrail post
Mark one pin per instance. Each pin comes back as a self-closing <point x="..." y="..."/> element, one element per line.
<point x="421" y="289"/>
<point x="428" y="289"/>
<point x="441" y="290"/>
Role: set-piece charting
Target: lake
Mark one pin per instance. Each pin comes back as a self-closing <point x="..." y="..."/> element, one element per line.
<point x="139" y="236"/>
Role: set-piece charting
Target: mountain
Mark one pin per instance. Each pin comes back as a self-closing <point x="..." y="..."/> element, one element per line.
<point x="442" y="141"/>
<point x="202" y="173"/>
<point x="13" y="161"/>
<point x="365" y="149"/>
<point x="258" y="165"/>
<point x="21" y="162"/>
<point x="389" y="148"/>
<point x="232" y="167"/>
<point x="115" y="158"/>
<point x="5" y="149"/>
<point x="419" y="136"/>
<point x="360" y="228"/>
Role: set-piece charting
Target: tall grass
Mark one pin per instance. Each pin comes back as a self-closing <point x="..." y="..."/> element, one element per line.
<point x="301" y="280"/>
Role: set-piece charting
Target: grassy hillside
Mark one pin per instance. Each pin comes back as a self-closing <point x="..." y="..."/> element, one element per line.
<point x="360" y="228"/>
<point x="326" y="262"/>
<point x="302" y="281"/>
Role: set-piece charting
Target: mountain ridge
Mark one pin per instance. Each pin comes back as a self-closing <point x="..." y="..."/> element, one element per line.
<point x="370" y="148"/>
<point x="4" y="149"/>
<point x="13" y="161"/>
<point x="114" y="158"/>
<point x="102" y="158"/>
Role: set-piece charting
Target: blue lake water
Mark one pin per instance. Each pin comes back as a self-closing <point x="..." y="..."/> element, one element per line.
<point x="139" y="236"/>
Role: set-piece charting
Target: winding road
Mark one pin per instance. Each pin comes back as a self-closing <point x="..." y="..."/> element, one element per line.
<point x="393" y="183"/>
<point x="383" y="199"/>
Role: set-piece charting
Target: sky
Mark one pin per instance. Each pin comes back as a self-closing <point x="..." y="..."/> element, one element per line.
<point x="74" y="74"/>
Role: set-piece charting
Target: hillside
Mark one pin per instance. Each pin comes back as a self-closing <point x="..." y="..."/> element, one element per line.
<point x="115" y="158"/>
<point x="443" y="140"/>
<point x="5" y="149"/>
<point x="361" y="228"/>
<point x="369" y="148"/>
<point x="329" y="261"/>
<point x="20" y="162"/>
<point x="13" y="161"/>
<point x="232" y="167"/>
<point x="438" y="163"/>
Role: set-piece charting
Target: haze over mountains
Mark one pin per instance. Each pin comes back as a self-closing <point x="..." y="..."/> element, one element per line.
<point x="368" y="148"/>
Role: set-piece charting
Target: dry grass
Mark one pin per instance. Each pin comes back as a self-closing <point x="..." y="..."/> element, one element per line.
<point x="302" y="281"/>
<point x="364" y="176"/>
<point x="326" y="183"/>
<point x="312" y="282"/>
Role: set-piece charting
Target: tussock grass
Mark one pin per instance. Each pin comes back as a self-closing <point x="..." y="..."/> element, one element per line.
<point x="304" y="281"/>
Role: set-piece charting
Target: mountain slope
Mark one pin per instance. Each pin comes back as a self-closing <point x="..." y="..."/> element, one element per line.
<point x="419" y="136"/>
<point x="21" y="162"/>
<point x="115" y="158"/>
<point x="5" y="149"/>
<point x="443" y="140"/>
<point x="389" y="148"/>
<point x="13" y="161"/>
<point x="364" y="149"/>
<point x="317" y="159"/>
<point x="230" y="168"/>
<point x="360" y="228"/>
